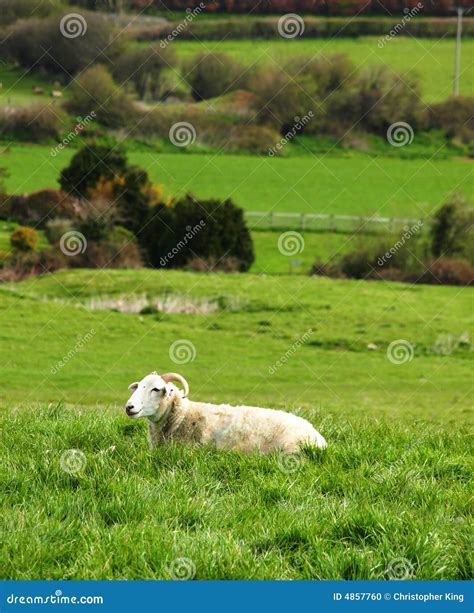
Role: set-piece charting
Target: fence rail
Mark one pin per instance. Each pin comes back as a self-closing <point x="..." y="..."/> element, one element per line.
<point x="322" y="221"/>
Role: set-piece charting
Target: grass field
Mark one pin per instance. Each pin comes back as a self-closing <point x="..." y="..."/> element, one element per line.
<point x="432" y="60"/>
<point x="354" y="184"/>
<point x="17" y="87"/>
<point x="393" y="483"/>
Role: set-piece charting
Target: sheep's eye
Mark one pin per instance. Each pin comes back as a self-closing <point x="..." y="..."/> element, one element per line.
<point x="155" y="389"/>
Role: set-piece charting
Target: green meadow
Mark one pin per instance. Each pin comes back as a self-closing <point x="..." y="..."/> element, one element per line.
<point x="356" y="183"/>
<point x="392" y="485"/>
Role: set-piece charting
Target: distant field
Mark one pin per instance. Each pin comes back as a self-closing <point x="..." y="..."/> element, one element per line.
<point x="356" y="184"/>
<point x="431" y="59"/>
<point x="17" y="87"/>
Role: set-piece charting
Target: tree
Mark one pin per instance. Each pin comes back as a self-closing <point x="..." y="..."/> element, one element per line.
<point x="95" y="90"/>
<point x="213" y="231"/>
<point x="144" y="68"/>
<point x="89" y="165"/>
<point x="451" y="229"/>
<point x="213" y="74"/>
<point x="133" y="199"/>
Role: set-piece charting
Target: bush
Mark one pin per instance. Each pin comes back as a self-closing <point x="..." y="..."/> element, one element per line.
<point x="210" y="230"/>
<point x="56" y="228"/>
<point x="32" y="123"/>
<point x="24" y="239"/>
<point x="133" y="199"/>
<point x="213" y="74"/>
<point x="12" y="10"/>
<point x="121" y="236"/>
<point x="447" y="271"/>
<point x="455" y="117"/>
<point x="27" y="41"/>
<point x="91" y="164"/>
<point x="107" y="254"/>
<point x="39" y="207"/>
<point x="144" y="68"/>
<point x="451" y="229"/>
<point x="378" y="98"/>
<point x="95" y="90"/>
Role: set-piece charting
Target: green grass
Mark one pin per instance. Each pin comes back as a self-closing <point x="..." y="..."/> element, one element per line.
<point x="354" y="184"/>
<point x="17" y="87"/>
<point x="431" y="59"/>
<point x="393" y="482"/>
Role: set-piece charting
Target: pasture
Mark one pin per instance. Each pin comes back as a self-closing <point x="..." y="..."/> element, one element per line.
<point x="355" y="183"/>
<point x="392" y="484"/>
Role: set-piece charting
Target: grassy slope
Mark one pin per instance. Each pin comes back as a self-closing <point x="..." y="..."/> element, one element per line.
<point x="432" y="60"/>
<point x="356" y="184"/>
<point x="392" y="483"/>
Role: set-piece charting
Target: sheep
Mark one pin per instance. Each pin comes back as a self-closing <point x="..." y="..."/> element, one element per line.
<point x="171" y="415"/>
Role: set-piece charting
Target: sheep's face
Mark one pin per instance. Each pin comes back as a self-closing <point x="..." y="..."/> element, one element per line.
<point x="148" y="397"/>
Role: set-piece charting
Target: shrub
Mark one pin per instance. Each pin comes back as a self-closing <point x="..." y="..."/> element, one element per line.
<point x="39" y="207"/>
<point x="95" y="90"/>
<point x="210" y="230"/>
<point x="121" y="236"/>
<point x="107" y="254"/>
<point x="32" y="123"/>
<point x="24" y="239"/>
<point x="213" y="74"/>
<point x="455" y="117"/>
<point x="27" y="41"/>
<point x="380" y="97"/>
<point x="447" y="271"/>
<point x="144" y="68"/>
<point x="12" y="10"/>
<point x="91" y="164"/>
<point x="284" y="99"/>
<point x="56" y="228"/>
<point x="451" y="229"/>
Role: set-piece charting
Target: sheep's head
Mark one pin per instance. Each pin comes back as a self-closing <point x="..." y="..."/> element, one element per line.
<point x="152" y="394"/>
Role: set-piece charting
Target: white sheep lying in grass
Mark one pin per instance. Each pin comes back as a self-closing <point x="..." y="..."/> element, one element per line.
<point x="172" y="416"/>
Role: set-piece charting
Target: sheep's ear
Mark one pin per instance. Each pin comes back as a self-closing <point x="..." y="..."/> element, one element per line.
<point x="133" y="386"/>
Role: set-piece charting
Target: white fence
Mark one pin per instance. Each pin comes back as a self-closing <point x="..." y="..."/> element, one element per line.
<point x="321" y="221"/>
